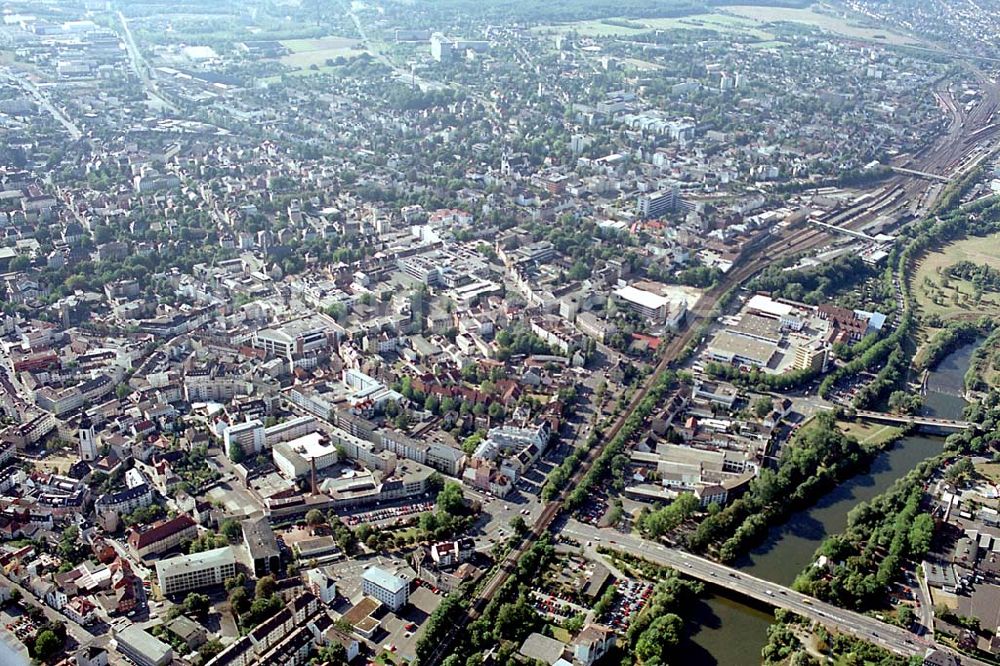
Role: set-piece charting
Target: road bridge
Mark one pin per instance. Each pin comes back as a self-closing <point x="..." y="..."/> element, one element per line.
<point x="893" y="638"/>
<point x="945" y="425"/>
<point x="921" y="174"/>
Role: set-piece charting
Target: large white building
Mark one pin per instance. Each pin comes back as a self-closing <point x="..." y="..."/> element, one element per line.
<point x="658" y="309"/>
<point x="299" y="336"/>
<point x="385" y="587"/>
<point x="191" y="572"/>
<point x="295" y="458"/>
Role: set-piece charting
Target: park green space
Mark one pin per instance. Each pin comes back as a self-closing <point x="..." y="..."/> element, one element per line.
<point x="950" y="298"/>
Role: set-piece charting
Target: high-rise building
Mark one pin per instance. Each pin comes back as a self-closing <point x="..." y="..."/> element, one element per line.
<point x="442" y="48"/>
<point x="249" y="436"/>
<point x="658" y="203"/>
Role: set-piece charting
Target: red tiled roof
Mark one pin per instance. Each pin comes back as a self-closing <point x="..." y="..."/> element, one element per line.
<point x="160" y="531"/>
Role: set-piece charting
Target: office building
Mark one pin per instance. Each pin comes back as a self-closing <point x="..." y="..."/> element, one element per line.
<point x="191" y="572"/>
<point x="143" y="648"/>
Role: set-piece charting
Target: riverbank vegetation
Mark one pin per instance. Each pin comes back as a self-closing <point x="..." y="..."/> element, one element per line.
<point x="785" y="645"/>
<point x="984" y="367"/>
<point x="954" y="335"/>
<point x="819" y="456"/>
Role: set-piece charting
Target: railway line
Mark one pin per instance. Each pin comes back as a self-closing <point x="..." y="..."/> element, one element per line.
<point x="948" y="154"/>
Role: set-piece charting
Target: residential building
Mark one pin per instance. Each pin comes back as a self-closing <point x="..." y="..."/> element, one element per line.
<point x="162" y="536"/>
<point x="261" y="546"/>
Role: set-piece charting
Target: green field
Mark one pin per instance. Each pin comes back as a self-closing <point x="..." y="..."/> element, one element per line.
<point x="747" y="20"/>
<point x="947" y="297"/>
<point x="642" y="65"/>
<point x="308" y="52"/>
<point x="720" y="23"/>
<point x="830" y="23"/>
<point x="869" y="433"/>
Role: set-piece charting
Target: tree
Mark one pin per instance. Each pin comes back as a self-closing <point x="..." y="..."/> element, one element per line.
<point x="231" y="530"/>
<point x="763" y="406"/>
<point x="960" y="470"/>
<point x="47" y="644"/>
<point x="265" y="587"/>
<point x="197" y="604"/>
<point x="239" y="601"/>
<point x="451" y="500"/>
<point x="314" y="518"/>
<point x="209" y="650"/>
<point x="518" y="525"/>
<point x="659" y="639"/>
<point x="236" y="453"/>
<point x="921" y="533"/>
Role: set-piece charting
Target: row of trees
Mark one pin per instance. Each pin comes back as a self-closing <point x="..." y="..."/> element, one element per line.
<point x="759" y="380"/>
<point x="616" y="447"/>
<point x="669" y="517"/>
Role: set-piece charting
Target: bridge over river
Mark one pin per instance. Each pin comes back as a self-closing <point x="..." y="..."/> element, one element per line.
<point x="943" y="425"/>
<point x="888" y="636"/>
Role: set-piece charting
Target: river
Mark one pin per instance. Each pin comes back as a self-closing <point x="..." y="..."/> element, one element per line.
<point x="732" y="633"/>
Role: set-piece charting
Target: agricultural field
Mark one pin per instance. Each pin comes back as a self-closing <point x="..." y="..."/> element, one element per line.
<point x="827" y="22"/>
<point x="950" y="298"/>
<point x="308" y="52"/>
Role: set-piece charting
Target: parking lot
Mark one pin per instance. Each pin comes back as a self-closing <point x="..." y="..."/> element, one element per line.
<point x="389" y="515"/>
<point x="630" y="597"/>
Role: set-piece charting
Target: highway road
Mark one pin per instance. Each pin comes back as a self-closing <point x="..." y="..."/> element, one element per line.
<point x="888" y="636"/>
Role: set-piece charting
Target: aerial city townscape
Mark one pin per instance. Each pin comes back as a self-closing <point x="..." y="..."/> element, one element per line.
<point x="498" y="333"/>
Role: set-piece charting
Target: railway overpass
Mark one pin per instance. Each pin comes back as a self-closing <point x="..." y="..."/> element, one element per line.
<point x="892" y="638"/>
<point x="922" y="174"/>
<point x="926" y="422"/>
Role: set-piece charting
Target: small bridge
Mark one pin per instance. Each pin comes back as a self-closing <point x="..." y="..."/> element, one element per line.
<point x="922" y="174"/>
<point x="944" y="425"/>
